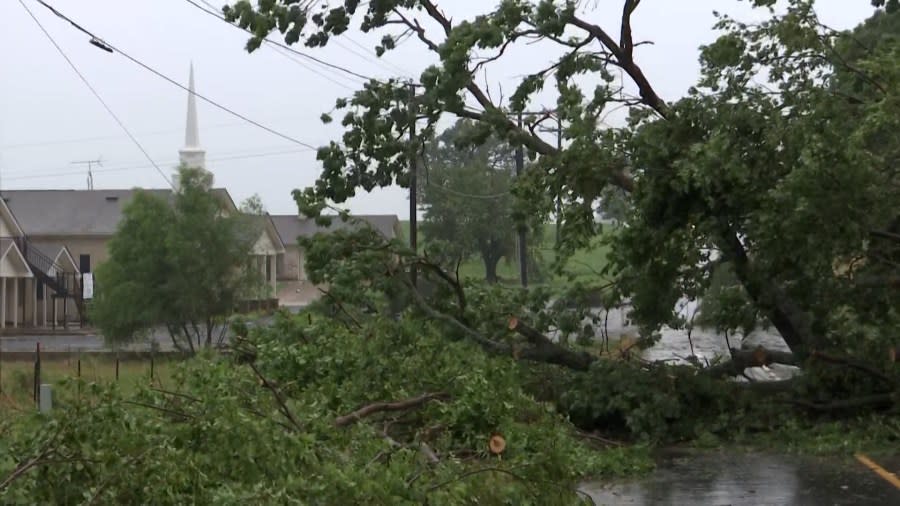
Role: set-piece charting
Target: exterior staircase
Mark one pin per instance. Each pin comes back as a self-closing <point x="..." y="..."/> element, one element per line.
<point x="65" y="285"/>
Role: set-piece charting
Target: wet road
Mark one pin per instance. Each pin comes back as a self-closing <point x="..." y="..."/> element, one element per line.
<point x="91" y="341"/>
<point x="751" y="480"/>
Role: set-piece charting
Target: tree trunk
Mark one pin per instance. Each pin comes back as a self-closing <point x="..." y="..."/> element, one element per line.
<point x="788" y="318"/>
<point x="490" y="268"/>
<point x="209" y="332"/>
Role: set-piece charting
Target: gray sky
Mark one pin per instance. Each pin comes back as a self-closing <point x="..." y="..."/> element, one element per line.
<point x="50" y="119"/>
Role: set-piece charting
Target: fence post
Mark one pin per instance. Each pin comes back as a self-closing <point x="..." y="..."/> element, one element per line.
<point x="37" y="373"/>
<point x="152" y="355"/>
<point x="117" y="366"/>
<point x="79" y="375"/>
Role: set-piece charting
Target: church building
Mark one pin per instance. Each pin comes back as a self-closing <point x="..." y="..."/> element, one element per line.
<point x="52" y="240"/>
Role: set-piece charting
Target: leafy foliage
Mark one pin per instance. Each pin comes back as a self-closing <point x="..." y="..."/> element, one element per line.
<point x="259" y="427"/>
<point x="179" y="264"/>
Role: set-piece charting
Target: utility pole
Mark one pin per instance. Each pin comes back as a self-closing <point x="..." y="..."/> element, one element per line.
<point x="90" y="173"/>
<point x="558" y="170"/>
<point x="558" y="132"/>
<point x="413" y="225"/>
<point x="523" y="252"/>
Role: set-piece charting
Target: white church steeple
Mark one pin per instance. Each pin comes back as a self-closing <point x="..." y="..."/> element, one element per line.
<point x="192" y="155"/>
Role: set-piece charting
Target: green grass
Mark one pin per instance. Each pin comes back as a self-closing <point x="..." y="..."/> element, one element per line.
<point x="17" y="377"/>
<point x="585" y="264"/>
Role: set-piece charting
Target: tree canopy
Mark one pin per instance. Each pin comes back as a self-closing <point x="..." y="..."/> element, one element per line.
<point x="179" y="264"/>
<point x="771" y="187"/>
<point x="466" y="193"/>
<point x="740" y="167"/>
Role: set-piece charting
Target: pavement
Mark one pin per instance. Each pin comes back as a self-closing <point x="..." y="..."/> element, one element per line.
<point x="754" y="479"/>
<point x="297" y="293"/>
<point x="91" y="341"/>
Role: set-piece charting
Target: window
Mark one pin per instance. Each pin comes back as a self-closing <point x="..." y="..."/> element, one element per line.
<point x="84" y="263"/>
<point x="40" y="290"/>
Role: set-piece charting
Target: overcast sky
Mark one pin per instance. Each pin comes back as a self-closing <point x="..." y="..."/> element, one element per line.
<point x="50" y="119"/>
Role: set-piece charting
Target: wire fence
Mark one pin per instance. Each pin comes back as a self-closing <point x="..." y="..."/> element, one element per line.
<point x="23" y="373"/>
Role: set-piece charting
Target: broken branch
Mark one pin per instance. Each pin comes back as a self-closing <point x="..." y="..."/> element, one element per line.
<point x="378" y="407"/>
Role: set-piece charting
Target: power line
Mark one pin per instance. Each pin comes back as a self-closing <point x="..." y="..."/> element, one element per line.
<point x="25" y="145"/>
<point x="489" y="196"/>
<point x="377" y="60"/>
<point x="283" y="46"/>
<point x="294" y="59"/>
<point x="280" y="52"/>
<point x="33" y="175"/>
<point x="380" y="59"/>
<point x="97" y="41"/>
<point x="96" y="94"/>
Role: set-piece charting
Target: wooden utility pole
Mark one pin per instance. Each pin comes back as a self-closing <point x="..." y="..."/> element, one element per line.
<point x="523" y="250"/>
<point x="413" y="225"/>
<point x="558" y="132"/>
<point x="558" y="171"/>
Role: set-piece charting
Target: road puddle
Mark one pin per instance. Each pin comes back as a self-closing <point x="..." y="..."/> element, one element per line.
<point x="749" y="480"/>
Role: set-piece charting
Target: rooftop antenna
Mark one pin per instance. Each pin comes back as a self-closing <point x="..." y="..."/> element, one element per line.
<point x="90" y="170"/>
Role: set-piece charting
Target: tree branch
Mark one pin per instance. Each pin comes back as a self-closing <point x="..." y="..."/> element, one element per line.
<point x="625" y="38"/>
<point x="282" y="403"/>
<point x="876" y="400"/>
<point x="545" y="350"/>
<point x="378" y="407"/>
<point x="626" y="62"/>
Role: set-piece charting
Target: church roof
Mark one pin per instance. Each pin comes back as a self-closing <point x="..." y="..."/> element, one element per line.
<point x="291" y="226"/>
<point x="46" y="213"/>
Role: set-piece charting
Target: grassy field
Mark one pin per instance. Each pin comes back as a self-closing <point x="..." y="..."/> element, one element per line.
<point x="586" y="264"/>
<point x="17" y="377"/>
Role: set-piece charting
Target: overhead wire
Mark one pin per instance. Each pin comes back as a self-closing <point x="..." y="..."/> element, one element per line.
<point x="95" y="93"/>
<point x="294" y="59"/>
<point x="308" y="56"/>
<point x="169" y="79"/>
<point x="371" y="56"/>
<point x="33" y="175"/>
<point x="488" y="196"/>
<point x="406" y="73"/>
<point x="234" y="155"/>
<point x="285" y="54"/>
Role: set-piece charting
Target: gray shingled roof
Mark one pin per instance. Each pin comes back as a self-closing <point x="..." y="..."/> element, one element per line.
<point x="74" y="212"/>
<point x="291" y="226"/>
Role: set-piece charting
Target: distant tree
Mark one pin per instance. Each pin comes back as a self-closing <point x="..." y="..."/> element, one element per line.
<point x="180" y="264"/>
<point x="253" y="205"/>
<point x="466" y="191"/>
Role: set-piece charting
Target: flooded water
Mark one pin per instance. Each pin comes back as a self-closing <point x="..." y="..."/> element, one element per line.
<point x="677" y="345"/>
<point x="749" y="480"/>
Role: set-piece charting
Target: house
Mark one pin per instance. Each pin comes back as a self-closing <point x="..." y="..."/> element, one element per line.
<point x="291" y="265"/>
<point x="57" y="236"/>
<point x="51" y="239"/>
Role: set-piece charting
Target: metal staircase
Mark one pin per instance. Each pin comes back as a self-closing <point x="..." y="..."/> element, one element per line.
<point x="65" y="285"/>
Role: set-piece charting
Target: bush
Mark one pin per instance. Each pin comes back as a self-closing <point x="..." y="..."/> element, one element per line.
<point x="656" y="403"/>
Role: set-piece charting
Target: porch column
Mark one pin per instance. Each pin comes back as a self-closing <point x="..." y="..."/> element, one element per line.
<point x="16" y="302"/>
<point x="261" y="268"/>
<point x="3" y="306"/>
<point x="275" y="276"/>
<point x="34" y="283"/>
<point x="44" y="299"/>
